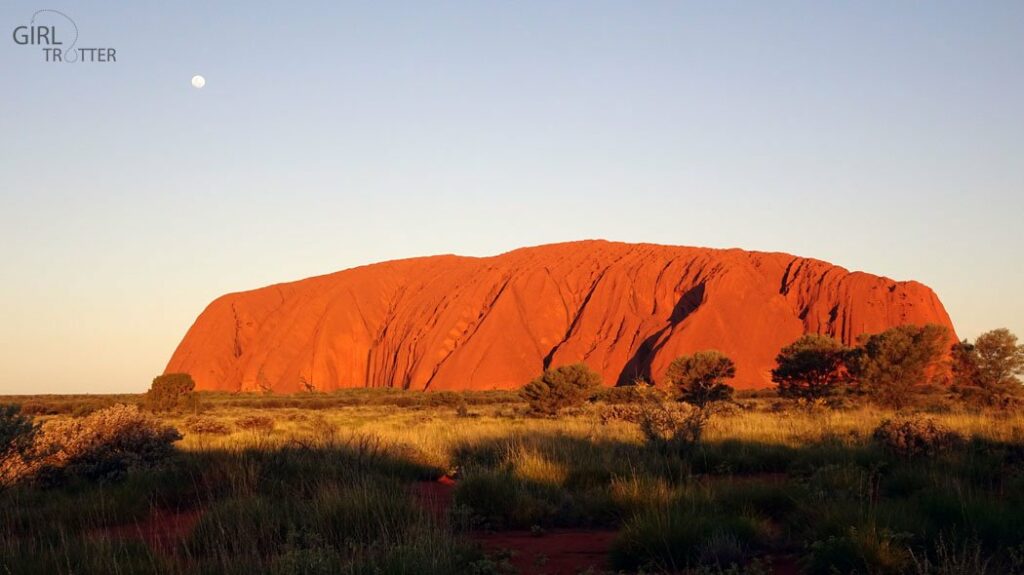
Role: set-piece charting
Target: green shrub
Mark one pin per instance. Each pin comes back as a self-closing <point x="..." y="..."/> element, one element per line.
<point x="500" y="499"/>
<point x="871" y="550"/>
<point x="560" y="388"/>
<point x="172" y="392"/>
<point x="889" y="366"/>
<point x="671" y="427"/>
<point x="624" y="394"/>
<point x="699" y="381"/>
<point x="985" y="373"/>
<point x="680" y="536"/>
<point x="810" y="369"/>
<point x="700" y="378"/>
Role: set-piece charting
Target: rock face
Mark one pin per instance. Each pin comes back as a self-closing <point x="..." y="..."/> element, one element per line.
<point x="450" y="322"/>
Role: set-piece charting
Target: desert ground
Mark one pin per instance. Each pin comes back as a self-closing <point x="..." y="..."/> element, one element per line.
<point x="375" y="481"/>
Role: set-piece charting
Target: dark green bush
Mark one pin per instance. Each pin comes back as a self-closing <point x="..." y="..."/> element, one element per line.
<point x="811" y="369"/>
<point x="499" y="499"/>
<point x="985" y="373"/>
<point x="172" y="392"/>
<point x="888" y="367"/>
<point x="700" y="378"/>
<point x="560" y="388"/>
<point x="868" y="550"/>
<point x="680" y="536"/>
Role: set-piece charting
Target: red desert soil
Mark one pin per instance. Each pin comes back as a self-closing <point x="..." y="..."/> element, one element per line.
<point x="556" y="552"/>
<point x="161" y="531"/>
<point x="435" y="496"/>
<point x="451" y="322"/>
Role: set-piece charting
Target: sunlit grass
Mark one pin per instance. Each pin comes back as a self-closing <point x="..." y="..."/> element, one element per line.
<point x="333" y="489"/>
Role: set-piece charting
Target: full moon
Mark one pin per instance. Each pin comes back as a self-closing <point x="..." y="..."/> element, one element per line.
<point x="198" y="81"/>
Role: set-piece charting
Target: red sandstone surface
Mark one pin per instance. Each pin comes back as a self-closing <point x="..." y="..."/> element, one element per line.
<point x="449" y="322"/>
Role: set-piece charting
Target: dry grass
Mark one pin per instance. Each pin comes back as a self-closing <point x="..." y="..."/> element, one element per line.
<point x="324" y="487"/>
<point x="434" y="433"/>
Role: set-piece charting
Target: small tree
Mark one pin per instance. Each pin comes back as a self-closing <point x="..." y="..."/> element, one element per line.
<point x="172" y="392"/>
<point x="700" y="378"/>
<point x="986" y="372"/>
<point x="562" y="387"/>
<point x="1001" y="359"/>
<point x="812" y="368"/>
<point x="966" y="374"/>
<point x="888" y="366"/>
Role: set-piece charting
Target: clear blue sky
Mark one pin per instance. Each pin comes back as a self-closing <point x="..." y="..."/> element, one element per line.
<point x="885" y="137"/>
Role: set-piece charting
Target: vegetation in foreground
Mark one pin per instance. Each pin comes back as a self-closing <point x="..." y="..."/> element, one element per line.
<point x="691" y="477"/>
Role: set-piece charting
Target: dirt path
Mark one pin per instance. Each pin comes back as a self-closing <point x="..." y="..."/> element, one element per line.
<point x="554" y="552"/>
<point x="161" y="531"/>
<point x="435" y="496"/>
<point x="557" y="551"/>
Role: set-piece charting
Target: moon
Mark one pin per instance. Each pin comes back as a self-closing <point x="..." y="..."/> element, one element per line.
<point x="198" y="81"/>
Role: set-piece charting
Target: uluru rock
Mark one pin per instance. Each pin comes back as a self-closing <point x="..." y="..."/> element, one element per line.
<point x="450" y="322"/>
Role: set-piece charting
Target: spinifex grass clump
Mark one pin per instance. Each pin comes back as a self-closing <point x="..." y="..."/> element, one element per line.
<point x="338" y="514"/>
<point x="674" y="538"/>
<point x="911" y="437"/>
<point x="324" y="504"/>
<point x="255" y="423"/>
<point x="205" y="425"/>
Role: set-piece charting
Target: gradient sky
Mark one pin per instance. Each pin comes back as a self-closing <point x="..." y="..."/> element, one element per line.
<point x="884" y="137"/>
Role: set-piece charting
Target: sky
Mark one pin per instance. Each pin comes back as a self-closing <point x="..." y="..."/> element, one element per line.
<point x="883" y="137"/>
